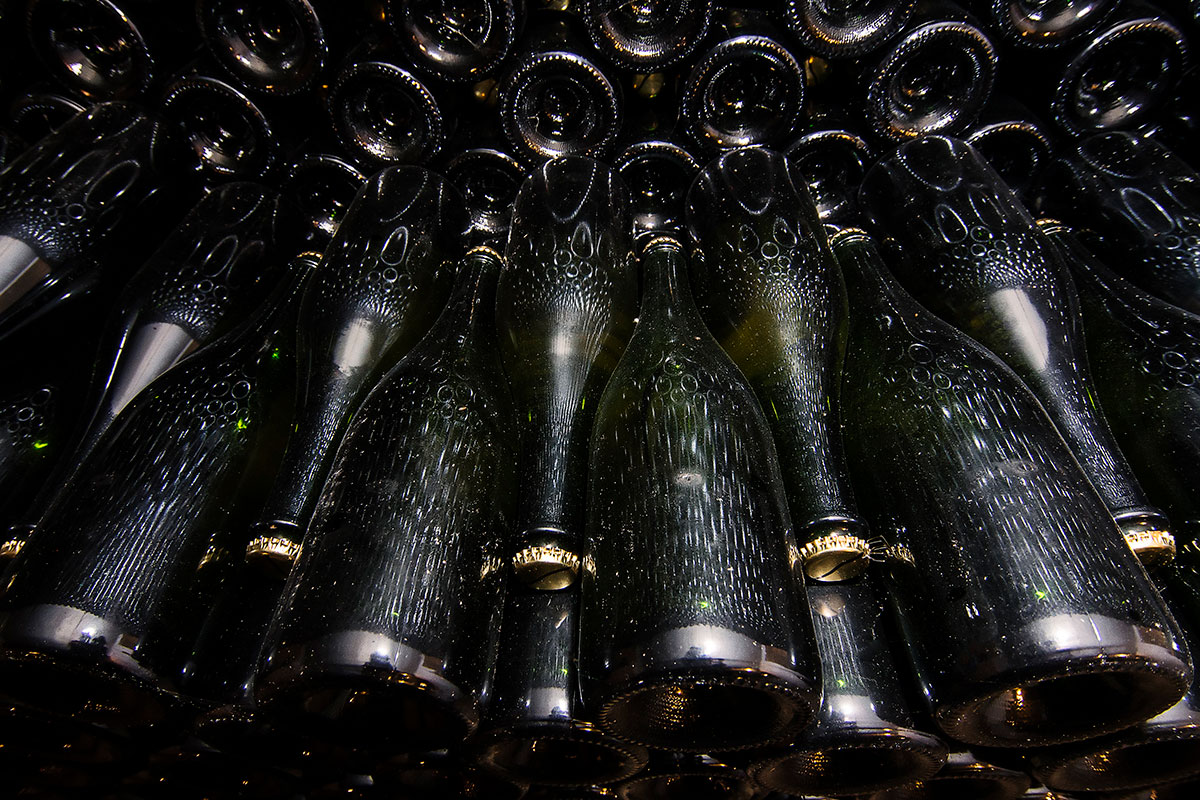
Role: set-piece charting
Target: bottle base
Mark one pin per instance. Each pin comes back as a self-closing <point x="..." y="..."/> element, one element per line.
<point x="964" y="777"/>
<point x="871" y="761"/>
<point x="1139" y="758"/>
<point x="700" y="782"/>
<point x="368" y="691"/>
<point x="1103" y="675"/>
<point x="69" y="662"/>
<point x="568" y="753"/>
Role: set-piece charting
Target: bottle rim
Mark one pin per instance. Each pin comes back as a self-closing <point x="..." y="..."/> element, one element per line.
<point x="246" y="107"/>
<point x="143" y="59"/>
<point x="846" y="40"/>
<point x="409" y="85"/>
<point x="264" y="78"/>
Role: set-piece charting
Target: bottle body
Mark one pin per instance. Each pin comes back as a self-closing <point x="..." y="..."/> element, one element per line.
<point x="1074" y="616"/>
<point x="685" y="491"/>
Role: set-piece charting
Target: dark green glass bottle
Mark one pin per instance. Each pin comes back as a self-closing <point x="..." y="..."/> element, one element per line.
<point x="565" y="307"/>
<point x="535" y="730"/>
<point x="383" y="280"/>
<point x="1143" y="200"/>
<point x="1028" y="619"/>
<point x="975" y="258"/>
<point x="386" y="635"/>
<point x="865" y="739"/>
<point x="770" y="292"/>
<point x="694" y="637"/>
<point x="102" y="599"/>
<point x="1146" y="357"/>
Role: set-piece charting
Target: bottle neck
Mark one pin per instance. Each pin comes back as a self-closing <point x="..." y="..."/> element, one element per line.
<point x="470" y="313"/>
<point x="668" y="295"/>
<point x="863" y="270"/>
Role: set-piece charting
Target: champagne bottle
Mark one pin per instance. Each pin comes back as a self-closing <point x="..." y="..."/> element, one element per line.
<point x="565" y="307"/>
<point x="746" y="89"/>
<point x="323" y="185"/>
<point x="557" y="99"/>
<point x="682" y="776"/>
<point x="1013" y="143"/>
<point x="935" y="76"/>
<point x="213" y="270"/>
<point x="389" y="620"/>
<point x="382" y="113"/>
<point x="456" y="41"/>
<point x="102" y="597"/>
<point x="996" y="278"/>
<point x="694" y="637"/>
<point x="535" y="730"/>
<point x="110" y="49"/>
<point x="41" y="111"/>
<point x="964" y="776"/>
<point x="230" y="135"/>
<point x="1145" y="353"/>
<point x="647" y="36"/>
<point x="658" y="173"/>
<point x="1042" y="24"/>
<point x="769" y="290"/>
<point x="1125" y="71"/>
<point x="864" y="740"/>
<point x="489" y="179"/>
<point x="384" y="279"/>
<point x="831" y="162"/>
<point x="278" y="47"/>
<point x="1028" y="620"/>
<point x="69" y="203"/>
<point x="1143" y="199"/>
<point x="1165" y="749"/>
<point x="10" y="144"/>
<point x="846" y="30"/>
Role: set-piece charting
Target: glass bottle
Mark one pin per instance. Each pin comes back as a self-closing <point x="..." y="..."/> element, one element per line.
<point x="105" y="593"/>
<point x="964" y="776"/>
<point x="694" y="637"/>
<point x="41" y="111"/>
<point x="846" y="30"/>
<point x="565" y="307"/>
<point x="747" y="88"/>
<point x="684" y="776"/>
<point x="557" y="98"/>
<point x="1145" y="202"/>
<point x="535" y="729"/>
<point x="386" y="635"/>
<point x="985" y="268"/>
<point x="104" y="182"/>
<point x="385" y="278"/>
<point x="646" y="37"/>
<point x="769" y="290"/>
<point x="1146" y="355"/>
<point x="323" y="184"/>
<point x="831" y="163"/>
<point x="658" y="173"/>
<point x="1028" y="619"/>
<point x="1042" y="24"/>
<point x="1013" y="142"/>
<point x="457" y="41"/>
<point x="865" y="739"/>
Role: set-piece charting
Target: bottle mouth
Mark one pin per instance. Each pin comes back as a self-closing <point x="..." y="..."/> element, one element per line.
<point x="568" y="753"/>
<point x="559" y="104"/>
<point x="1147" y="755"/>
<point x="324" y="186"/>
<point x="276" y="46"/>
<point x="457" y="41"/>
<point x="91" y="46"/>
<point x="1016" y="149"/>
<point x="861" y="762"/>
<point x="839" y="29"/>
<point x="1121" y="77"/>
<point x="650" y="35"/>
<point x="35" y="116"/>
<point x="936" y="80"/>
<point x="1049" y="23"/>
<point x="385" y="114"/>
<point x="746" y="91"/>
<point x="230" y="136"/>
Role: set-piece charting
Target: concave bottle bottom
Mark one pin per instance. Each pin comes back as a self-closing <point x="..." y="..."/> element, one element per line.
<point x="1115" y="676"/>
<point x="559" y="754"/>
<point x="67" y="661"/>
<point x="703" y="713"/>
<point x="367" y="691"/>
<point x="1147" y="755"/>
<point x="961" y="787"/>
<point x="685" y="786"/>
<point x="879" y="760"/>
